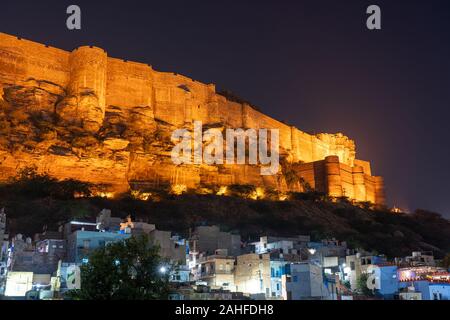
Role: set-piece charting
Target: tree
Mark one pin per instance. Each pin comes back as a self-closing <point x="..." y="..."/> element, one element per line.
<point x="241" y="190"/>
<point x="125" y="270"/>
<point x="361" y="285"/>
<point x="445" y="263"/>
<point x="32" y="184"/>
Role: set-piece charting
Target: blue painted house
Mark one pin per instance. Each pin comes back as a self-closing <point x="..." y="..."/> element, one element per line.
<point x="81" y="243"/>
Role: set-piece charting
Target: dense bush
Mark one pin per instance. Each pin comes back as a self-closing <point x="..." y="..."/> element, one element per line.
<point x="31" y="184"/>
<point x="245" y="191"/>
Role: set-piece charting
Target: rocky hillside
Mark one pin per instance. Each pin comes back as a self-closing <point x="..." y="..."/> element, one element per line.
<point x="33" y="131"/>
<point x="36" y="201"/>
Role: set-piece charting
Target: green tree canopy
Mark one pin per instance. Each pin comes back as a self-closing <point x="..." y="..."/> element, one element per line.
<point x="361" y="285"/>
<point x="125" y="270"/>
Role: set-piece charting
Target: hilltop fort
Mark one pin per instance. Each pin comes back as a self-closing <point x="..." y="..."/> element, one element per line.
<point x="87" y="116"/>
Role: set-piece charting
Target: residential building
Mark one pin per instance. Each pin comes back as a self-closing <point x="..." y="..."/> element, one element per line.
<point x="26" y="257"/>
<point x="386" y="280"/>
<point x="409" y="274"/>
<point x="3" y="236"/>
<point x="304" y="281"/>
<point x="4" y="243"/>
<point x="171" y="248"/>
<point x="27" y="284"/>
<point x="209" y="238"/>
<point x="252" y="274"/>
<point x="217" y="270"/>
<point x="421" y="259"/>
<point x="357" y="264"/>
<point x="201" y="292"/>
<point x="433" y="285"/>
<point x="279" y="266"/>
<point x="105" y="222"/>
<point x="416" y="259"/>
<point x="439" y="291"/>
<point x="281" y="244"/>
<point x="69" y="277"/>
<point x="181" y="274"/>
<point x="414" y="292"/>
<point x="81" y="243"/>
<point x="18" y="283"/>
<point x="330" y="253"/>
<point x="77" y="225"/>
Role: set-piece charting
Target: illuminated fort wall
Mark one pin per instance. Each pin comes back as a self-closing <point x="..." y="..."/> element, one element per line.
<point x="179" y="100"/>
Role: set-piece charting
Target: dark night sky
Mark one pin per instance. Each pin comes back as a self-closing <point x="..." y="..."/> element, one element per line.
<point x="311" y="63"/>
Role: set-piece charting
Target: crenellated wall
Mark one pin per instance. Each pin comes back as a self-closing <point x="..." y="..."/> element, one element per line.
<point x="22" y="59"/>
<point x="90" y="89"/>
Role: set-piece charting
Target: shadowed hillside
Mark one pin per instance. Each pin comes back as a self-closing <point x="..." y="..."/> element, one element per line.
<point x="33" y="201"/>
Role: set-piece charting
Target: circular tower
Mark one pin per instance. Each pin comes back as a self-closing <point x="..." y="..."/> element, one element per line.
<point x="380" y="198"/>
<point x="87" y="85"/>
<point x="359" y="185"/>
<point x="333" y="176"/>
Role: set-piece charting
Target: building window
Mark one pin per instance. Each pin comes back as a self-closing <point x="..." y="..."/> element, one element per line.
<point x="352" y="265"/>
<point x="295" y="279"/>
<point x="287" y="269"/>
<point x="86" y="244"/>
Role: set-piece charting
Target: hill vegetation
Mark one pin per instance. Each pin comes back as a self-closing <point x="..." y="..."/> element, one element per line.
<point x="33" y="201"/>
